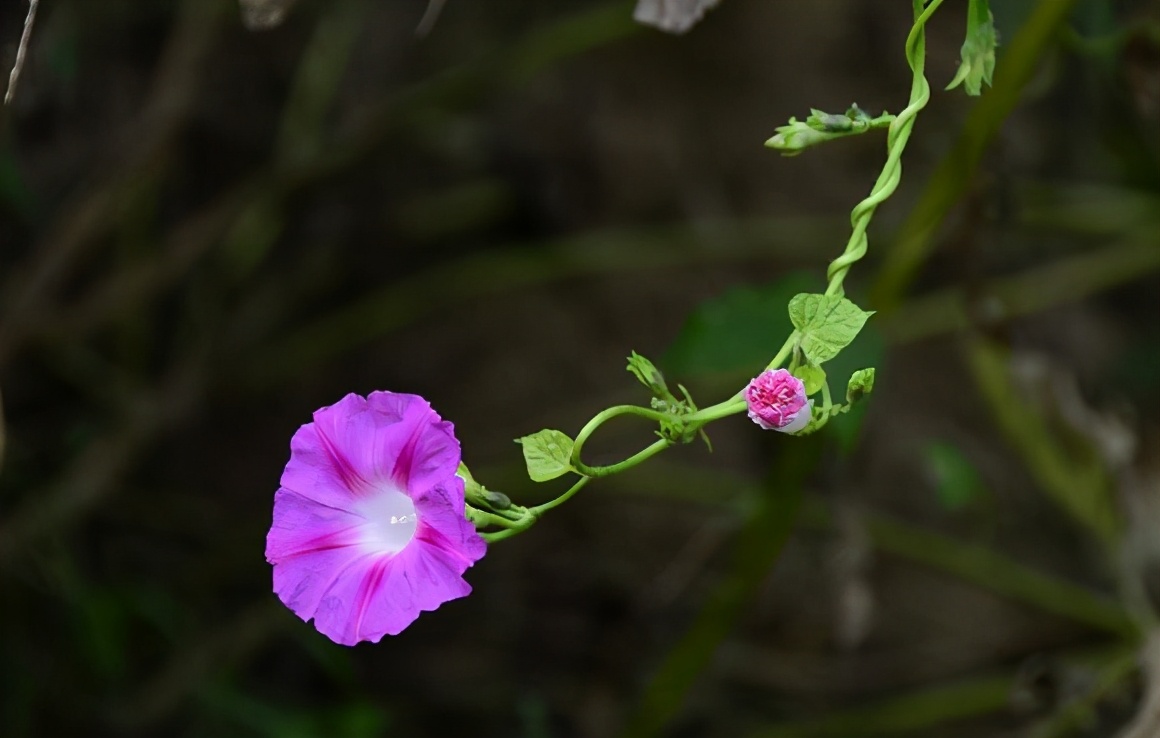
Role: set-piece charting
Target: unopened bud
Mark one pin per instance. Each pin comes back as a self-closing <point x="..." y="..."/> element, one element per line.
<point x="777" y="401"/>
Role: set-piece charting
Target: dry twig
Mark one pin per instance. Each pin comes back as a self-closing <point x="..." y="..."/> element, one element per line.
<point x="28" y="288"/>
<point x="21" y="51"/>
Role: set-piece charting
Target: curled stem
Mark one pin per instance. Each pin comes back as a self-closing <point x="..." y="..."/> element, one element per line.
<point x="539" y="510"/>
<point x="600" y="419"/>
<point x="603" y="471"/>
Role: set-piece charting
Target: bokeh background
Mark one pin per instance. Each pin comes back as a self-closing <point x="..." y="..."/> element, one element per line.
<point x="207" y="232"/>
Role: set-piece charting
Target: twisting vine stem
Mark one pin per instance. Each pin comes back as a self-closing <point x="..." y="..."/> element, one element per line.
<point x="684" y="423"/>
<point x="896" y="139"/>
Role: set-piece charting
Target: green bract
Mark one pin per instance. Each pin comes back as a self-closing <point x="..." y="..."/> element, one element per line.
<point x="861" y="384"/>
<point x="827" y="323"/>
<point x="795" y="137"/>
<point x="978" y="52"/>
<point x="649" y="376"/>
<point x="547" y="453"/>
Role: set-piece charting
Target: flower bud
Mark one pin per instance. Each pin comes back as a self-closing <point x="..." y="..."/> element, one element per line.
<point x="792" y="139"/>
<point x="777" y="401"/>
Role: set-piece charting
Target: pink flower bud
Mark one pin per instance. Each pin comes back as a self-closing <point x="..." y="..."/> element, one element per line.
<point x="777" y="401"/>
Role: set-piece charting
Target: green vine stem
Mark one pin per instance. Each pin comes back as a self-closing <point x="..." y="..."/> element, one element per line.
<point x="954" y="173"/>
<point x="896" y="139"/>
<point x="600" y="419"/>
<point x="683" y="422"/>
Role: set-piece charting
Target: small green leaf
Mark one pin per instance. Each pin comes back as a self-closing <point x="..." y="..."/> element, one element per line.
<point x="548" y="454"/>
<point x="978" y="51"/>
<point x="813" y="377"/>
<point x="861" y="384"/>
<point x="828" y="323"/>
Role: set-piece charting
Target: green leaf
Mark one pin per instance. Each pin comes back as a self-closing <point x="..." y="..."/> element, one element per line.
<point x="828" y="323"/>
<point x="812" y="376"/>
<point x="861" y="384"/>
<point x="978" y="51"/>
<point x="548" y="454"/>
<point x="737" y="332"/>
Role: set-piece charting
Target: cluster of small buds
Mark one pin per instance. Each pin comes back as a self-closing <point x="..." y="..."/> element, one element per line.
<point x="821" y="126"/>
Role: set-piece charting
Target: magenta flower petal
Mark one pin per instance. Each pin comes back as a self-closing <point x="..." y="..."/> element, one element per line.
<point x="386" y="436"/>
<point x="369" y="527"/>
<point x="777" y="401"/>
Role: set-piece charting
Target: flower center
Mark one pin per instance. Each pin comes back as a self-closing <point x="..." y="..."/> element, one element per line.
<point x="390" y="520"/>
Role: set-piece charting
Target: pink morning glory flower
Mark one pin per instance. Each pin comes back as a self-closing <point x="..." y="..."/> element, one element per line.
<point x="369" y="527"/>
<point x="777" y="401"/>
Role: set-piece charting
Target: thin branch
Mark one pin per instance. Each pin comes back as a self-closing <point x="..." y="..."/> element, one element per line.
<point x="21" y="51"/>
<point x="28" y="289"/>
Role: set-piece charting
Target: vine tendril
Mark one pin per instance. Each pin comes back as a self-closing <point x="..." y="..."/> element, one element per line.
<point x="896" y="138"/>
<point x="691" y="419"/>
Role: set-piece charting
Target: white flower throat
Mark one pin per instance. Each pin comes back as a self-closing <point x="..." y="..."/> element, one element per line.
<point x="391" y="520"/>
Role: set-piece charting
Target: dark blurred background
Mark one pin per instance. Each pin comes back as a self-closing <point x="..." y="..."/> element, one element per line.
<point x="207" y="232"/>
